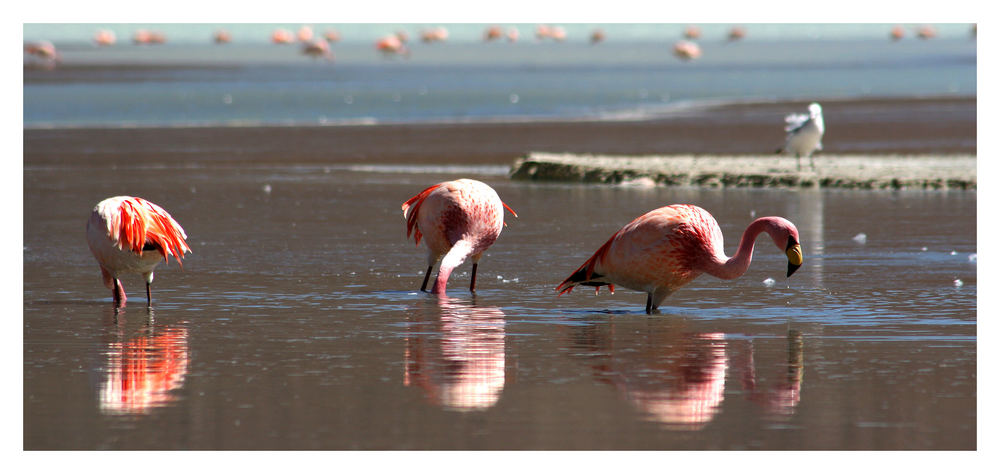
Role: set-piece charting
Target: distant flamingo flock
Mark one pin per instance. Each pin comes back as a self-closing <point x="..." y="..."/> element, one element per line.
<point x="395" y="44"/>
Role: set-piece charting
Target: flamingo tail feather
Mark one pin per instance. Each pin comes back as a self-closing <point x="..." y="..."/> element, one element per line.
<point x="411" y="208"/>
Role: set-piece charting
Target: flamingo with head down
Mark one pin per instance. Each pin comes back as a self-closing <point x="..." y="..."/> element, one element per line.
<point x="458" y="220"/>
<point x="132" y="235"/>
<point x="666" y="248"/>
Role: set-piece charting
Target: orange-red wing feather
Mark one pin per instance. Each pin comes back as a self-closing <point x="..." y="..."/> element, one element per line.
<point x="586" y="271"/>
<point x="139" y="221"/>
<point x="411" y="217"/>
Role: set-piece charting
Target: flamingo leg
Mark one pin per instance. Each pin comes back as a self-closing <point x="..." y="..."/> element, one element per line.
<point x="427" y="277"/>
<point x="472" y="287"/>
<point x="149" y="296"/>
<point x="649" y="303"/>
<point x="118" y="293"/>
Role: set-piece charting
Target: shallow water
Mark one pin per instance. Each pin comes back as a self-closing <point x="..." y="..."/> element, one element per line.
<point x="240" y="84"/>
<point x="296" y="324"/>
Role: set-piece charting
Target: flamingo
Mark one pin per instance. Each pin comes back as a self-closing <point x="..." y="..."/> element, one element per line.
<point x="805" y="134"/>
<point x="897" y="33"/>
<point x="666" y="248"/>
<point x="104" y="38"/>
<point x="459" y="219"/>
<point x="222" y="37"/>
<point x="597" y="36"/>
<point x="687" y="50"/>
<point x="130" y="235"/>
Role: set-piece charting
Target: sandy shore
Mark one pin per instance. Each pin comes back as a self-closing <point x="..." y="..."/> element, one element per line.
<point x="870" y="127"/>
<point x="835" y="171"/>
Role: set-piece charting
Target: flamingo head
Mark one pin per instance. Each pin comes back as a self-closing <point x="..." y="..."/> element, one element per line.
<point x="786" y="237"/>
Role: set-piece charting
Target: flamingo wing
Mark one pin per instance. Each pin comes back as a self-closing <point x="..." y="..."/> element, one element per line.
<point x="138" y="225"/>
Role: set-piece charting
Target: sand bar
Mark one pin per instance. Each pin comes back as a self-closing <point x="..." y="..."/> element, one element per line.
<point x="831" y="171"/>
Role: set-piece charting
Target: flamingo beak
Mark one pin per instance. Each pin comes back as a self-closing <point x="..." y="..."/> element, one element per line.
<point x="794" y="253"/>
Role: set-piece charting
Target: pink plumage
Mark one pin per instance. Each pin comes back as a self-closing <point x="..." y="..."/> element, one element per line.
<point x="457" y="220"/>
<point x="132" y="235"/>
<point x="667" y="248"/>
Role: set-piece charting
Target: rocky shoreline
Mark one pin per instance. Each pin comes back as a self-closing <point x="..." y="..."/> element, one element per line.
<point x="831" y="171"/>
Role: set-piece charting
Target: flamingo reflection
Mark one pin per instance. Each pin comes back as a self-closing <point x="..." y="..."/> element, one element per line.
<point x="141" y="373"/>
<point x="460" y="364"/>
<point x="782" y="397"/>
<point x="672" y="377"/>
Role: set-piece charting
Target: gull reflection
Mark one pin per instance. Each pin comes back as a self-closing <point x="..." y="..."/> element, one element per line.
<point x="782" y="397"/>
<point x="460" y="363"/>
<point x="142" y="372"/>
<point x="674" y="378"/>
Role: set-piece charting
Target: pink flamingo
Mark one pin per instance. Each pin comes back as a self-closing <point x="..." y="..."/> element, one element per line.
<point x="391" y="44"/>
<point x="332" y="36"/>
<point x="43" y="50"/>
<point x="597" y="36"/>
<point x="493" y="33"/>
<point x="666" y="248"/>
<point x="281" y="36"/>
<point x="737" y="33"/>
<point x="222" y="37"/>
<point x="104" y="38"/>
<point x="130" y="235"/>
<point x="687" y="50"/>
<point x="897" y="33"/>
<point x="460" y="220"/>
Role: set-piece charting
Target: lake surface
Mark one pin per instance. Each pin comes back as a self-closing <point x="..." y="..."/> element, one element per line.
<point x="296" y="322"/>
<point x="252" y="84"/>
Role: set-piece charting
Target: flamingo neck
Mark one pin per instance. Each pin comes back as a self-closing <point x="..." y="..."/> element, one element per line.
<point x="455" y="257"/>
<point x="736" y="266"/>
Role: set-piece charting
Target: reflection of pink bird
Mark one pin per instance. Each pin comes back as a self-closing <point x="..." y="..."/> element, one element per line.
<point x="318" y="48"/>
<point x="666" y="248"/>
<point x="464" y="368"/>
<point x="687" y="50"/>
<point x="131" y="235"/>
<point x="458" y="220"/>
<point x="145" y="372"/>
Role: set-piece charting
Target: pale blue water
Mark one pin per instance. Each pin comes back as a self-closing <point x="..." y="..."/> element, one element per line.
<point x="632" y="74"/>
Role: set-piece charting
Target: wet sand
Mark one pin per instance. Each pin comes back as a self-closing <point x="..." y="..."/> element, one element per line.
<point x="871" y="127"/>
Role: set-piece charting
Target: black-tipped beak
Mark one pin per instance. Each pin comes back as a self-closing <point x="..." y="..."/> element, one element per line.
<point x="794" y="254"/>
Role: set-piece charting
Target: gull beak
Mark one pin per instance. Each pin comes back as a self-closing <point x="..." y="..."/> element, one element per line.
<point x="794" y="253"/>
